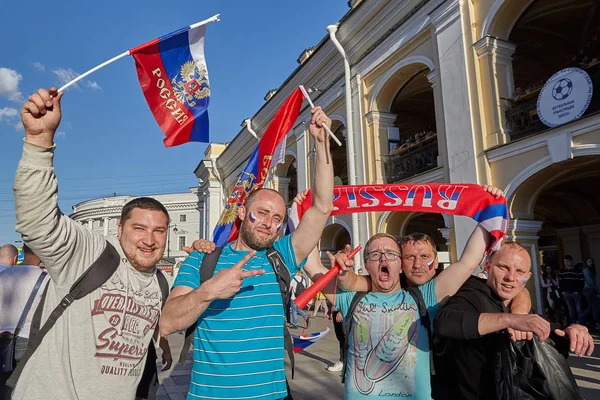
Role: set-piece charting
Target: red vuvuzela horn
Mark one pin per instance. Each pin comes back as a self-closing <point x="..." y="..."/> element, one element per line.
<point x="303" y="299"/>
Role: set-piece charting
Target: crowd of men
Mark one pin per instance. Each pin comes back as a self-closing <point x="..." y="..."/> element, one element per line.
<point x="103" y="302"/>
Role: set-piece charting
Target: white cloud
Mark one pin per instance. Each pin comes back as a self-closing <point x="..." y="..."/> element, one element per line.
<point x="19" y="126"/>
<point x="94" y="85"/>
<point x="8" y="113"/>
<point x="9" y="84"/>
<point x="39" y="66"/>
<point x="60" y="134"/>
<point x="66" y="75"/>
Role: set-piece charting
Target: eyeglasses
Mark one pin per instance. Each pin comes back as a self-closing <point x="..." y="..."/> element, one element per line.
<point x="389" y="255"/>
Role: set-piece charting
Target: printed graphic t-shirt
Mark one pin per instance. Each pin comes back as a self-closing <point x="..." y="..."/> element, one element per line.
<point x="388" y="355"/>
<point x="238" y="342"/>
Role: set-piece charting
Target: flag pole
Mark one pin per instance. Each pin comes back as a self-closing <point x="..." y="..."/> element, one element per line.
<point x="312" y="105"/>
<point x="104" y="64"/>
<point x="125" y="54"/>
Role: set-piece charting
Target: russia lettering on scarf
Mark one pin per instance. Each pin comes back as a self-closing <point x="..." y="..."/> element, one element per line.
<point x="255" y="172"/>
<point x="174" y="78"/>
<point x="468" y="200"/>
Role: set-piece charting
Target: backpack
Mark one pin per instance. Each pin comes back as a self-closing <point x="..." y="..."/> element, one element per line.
<point x="300" y="287"/>
<point x="423" y="315"/>
<point x="91" y="279"/>
<point x="207" y="270"/>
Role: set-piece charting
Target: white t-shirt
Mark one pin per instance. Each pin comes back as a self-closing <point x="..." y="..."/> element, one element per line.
<point x="16" y="284"/>
<point x="297" y="279"/>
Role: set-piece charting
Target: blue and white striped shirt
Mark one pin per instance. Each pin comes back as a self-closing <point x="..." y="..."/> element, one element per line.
<point x="238" y="343"/>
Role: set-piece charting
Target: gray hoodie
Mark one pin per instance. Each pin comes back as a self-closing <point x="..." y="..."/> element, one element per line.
<point x="98" y="348"/>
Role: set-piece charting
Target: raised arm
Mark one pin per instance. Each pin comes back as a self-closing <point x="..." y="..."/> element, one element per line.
<point x="64" y="246"/>
<point x="452" y="278"/>
<point x="308" y="233"/>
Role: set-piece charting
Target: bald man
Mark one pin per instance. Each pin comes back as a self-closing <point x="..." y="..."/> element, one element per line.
<point x="8" y="256"/>
<point x="473" y="326"/>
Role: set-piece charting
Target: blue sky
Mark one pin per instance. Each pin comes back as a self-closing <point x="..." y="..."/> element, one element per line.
<point x="108" y="141"/>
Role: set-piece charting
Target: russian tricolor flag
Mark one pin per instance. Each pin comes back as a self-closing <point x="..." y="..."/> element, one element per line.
<point x="301" y="342"/>
<point x="174" y="78"/>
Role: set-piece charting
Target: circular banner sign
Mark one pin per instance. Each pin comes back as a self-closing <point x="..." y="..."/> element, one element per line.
<point x="565" y="97"/>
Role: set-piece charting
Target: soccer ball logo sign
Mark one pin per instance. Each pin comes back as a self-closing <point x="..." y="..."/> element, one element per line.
<point x="565" y="97"/>
<point x="562" y="89"/>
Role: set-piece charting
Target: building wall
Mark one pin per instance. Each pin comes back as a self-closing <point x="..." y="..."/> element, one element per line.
<point x="103" y="216"/>
<point x="464" y="45"/>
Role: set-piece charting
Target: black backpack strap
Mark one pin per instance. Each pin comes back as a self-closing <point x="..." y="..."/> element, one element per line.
<point x="283" y="279"/>
<point x="94" y="277"/>
<point x="164" y="286"/>
<point x="209" y="264"/>
<point x="425" y="321"/>
<point x="207" y="270"/>
<point x="358" y="296"/>
<point x="423" y="314"/>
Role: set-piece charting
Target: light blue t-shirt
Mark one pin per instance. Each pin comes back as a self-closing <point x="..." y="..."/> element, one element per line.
<point x="238" y="343"/>
<point x="388" y="355"/>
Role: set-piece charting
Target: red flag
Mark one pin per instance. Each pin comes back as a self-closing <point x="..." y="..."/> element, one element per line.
<point x="253" y="176"/>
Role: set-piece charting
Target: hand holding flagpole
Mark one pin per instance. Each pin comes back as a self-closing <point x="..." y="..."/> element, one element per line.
<point x="312" y="105"/>
<point x="303" y="299"/>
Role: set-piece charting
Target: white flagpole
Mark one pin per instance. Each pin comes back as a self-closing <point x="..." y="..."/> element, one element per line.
<point x="104" y="64"/>
<point x="312" y="105"/>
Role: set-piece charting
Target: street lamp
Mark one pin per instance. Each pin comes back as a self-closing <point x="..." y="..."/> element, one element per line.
<point x="175" y="230"/>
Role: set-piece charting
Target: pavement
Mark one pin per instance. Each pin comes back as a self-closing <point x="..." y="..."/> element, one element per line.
<point x="313" y="382"/>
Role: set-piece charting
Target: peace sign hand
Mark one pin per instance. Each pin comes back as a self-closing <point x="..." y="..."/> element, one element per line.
<point x="228" y="281"/>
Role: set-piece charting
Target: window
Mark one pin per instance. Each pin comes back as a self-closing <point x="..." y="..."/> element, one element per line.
<point x="182" y="218"/>
<point x="101" y="223"/>
<point x="181" y="242"/>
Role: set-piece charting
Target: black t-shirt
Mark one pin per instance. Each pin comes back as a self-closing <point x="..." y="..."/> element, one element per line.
<point x="466" y="368"/>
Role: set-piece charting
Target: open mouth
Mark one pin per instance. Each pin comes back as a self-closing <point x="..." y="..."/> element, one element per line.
<point x="384" y="273"/>
<point x="506" y="286"/>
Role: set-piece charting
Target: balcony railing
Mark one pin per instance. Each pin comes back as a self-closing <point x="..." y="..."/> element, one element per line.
<point x="522" y="119"/>
<point x="417" y="158"/>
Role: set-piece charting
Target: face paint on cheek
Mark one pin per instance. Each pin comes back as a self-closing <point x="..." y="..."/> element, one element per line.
<point x="430" y="264"/>
<point x="279" y="227"/>
<point x="523" y="281"/>
<point x="251" y="217"/>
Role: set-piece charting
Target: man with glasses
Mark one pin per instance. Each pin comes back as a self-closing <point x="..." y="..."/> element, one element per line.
<point x="388" y="347"/>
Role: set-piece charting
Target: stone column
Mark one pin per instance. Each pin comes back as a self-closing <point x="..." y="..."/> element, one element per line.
<point x="442" y="158"/>
<point x="282" y="184"/>
<point x="496" y="74"/>
<point x="302" y="161"/>
<point x="447" y="234"/>
<point x="525" y="232"/>
<point x="106" y="221"/>
<point x="452" y="60"/>
<point x="90" y="223"/>
<point x="213" y="204"/>
<point x="380" y="125"/>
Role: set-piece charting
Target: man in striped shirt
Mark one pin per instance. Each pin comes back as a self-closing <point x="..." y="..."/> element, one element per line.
<point x="238" y="342"/>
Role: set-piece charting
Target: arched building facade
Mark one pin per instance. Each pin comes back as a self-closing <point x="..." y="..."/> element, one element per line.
<point x="446" y="91"/>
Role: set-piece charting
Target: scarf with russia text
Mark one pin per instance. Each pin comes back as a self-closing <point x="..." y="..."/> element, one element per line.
<point x="468" y="200"/>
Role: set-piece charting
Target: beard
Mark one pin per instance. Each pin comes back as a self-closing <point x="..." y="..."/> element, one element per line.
<point x="254" y="241"/>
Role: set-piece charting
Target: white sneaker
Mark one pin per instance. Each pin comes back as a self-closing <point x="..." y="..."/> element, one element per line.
<point x="337" y="367"/>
